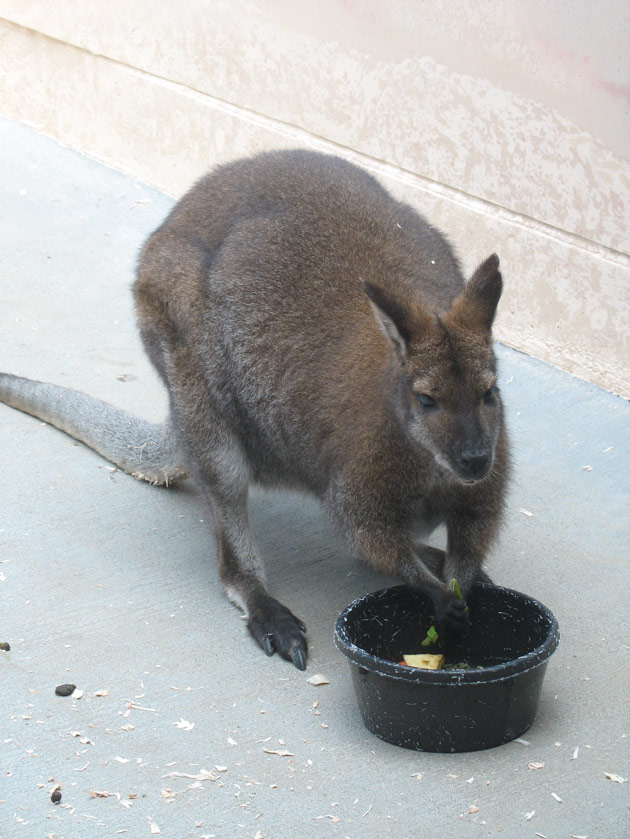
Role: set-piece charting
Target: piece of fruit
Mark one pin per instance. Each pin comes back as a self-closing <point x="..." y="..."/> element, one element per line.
<point x="424" y="661"/>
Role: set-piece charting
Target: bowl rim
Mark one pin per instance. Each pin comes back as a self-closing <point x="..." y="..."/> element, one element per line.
<point x="496" y="673"/>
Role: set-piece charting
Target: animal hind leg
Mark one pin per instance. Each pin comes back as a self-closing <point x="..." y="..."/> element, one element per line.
<point x="224" y="482"/>
<point x="218" y="465"/>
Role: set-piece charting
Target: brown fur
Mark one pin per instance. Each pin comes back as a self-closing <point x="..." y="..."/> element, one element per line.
<point x="298" y="315"/>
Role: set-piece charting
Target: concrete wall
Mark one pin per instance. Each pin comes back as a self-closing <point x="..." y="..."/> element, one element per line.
<point x="506" y="123"/>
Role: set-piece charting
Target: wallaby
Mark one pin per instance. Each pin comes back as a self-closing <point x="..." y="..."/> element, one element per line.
<point x="313" y="333"/>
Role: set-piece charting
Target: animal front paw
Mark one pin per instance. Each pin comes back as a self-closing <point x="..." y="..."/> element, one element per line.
<point x="451" y="613"/>
<point x="276" y="629"/>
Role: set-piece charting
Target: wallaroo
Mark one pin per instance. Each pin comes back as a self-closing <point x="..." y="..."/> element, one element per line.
<point x="317" y="334"/>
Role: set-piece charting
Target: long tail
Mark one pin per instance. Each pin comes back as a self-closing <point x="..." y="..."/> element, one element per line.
<point x="142" y="449"/>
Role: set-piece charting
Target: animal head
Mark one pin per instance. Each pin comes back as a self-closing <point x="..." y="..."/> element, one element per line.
<point x="448" y="399"/>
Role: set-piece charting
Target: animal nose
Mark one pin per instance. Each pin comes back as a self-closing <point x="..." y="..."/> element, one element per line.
<point x="475" y="462"/>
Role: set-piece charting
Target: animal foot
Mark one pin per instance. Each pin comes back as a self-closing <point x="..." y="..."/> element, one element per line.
<point x="276" y="629"/>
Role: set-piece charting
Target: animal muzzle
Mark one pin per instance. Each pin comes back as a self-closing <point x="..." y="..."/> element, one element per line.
<point x="473" y="464"/>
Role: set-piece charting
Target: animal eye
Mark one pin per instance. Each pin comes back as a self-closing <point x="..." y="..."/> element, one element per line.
<point x="490" y="394"/>
<point x="426" y="401"/>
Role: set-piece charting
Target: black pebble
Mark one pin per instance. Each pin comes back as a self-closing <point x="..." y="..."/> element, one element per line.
<point x="4" y="645"/>
<point x="56" y="796"/>
<point x="65" y="690"/>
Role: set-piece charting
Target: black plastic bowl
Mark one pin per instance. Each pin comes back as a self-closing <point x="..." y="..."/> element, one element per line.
<point x="507" y="646"/>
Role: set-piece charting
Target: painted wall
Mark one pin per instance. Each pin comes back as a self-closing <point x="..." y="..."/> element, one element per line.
<point x="506" y="123"/>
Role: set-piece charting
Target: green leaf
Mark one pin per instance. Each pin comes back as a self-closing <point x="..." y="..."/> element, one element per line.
<point x="432" y="636"/>
<point x="454" y="585"/>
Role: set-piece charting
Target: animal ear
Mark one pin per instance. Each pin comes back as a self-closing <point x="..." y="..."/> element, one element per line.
<point x="398" y="319"/>
<point x="476" y="306"/>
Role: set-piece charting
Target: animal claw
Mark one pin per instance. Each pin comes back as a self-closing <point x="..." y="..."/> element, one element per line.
<point x="297" y="657"/>
<point x="268" y="644"/>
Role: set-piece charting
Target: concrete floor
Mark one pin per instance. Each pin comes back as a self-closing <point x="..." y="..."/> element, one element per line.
<point x="111" y="584"/>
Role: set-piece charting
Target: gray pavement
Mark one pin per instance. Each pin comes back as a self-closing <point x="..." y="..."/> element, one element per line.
<point x="111" y="584"/>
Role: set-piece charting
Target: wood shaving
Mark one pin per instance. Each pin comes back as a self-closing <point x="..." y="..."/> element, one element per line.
<point x="184" y="724"/>
<point x="203" y="775"/>
<point x="529" y="816"/>
<point x="616" y="778"/>
<point x="154" y="828"/>
<point x="281" y="752"/>
<point x="135" y="706"/>
<point x="557" y="797"/>
<point x="101" y="793"/>
<point x="121" y="759"/>
<point x="317" y="680"/>
<point x="82" y="739"/>
<point x="522" y="742"/>
<point x="526" y="513"/>
<point x="535" y="765"/>
<point x="101" y="693"/>
<point x="473" y="809"/>
<point x="574" y="756"/>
